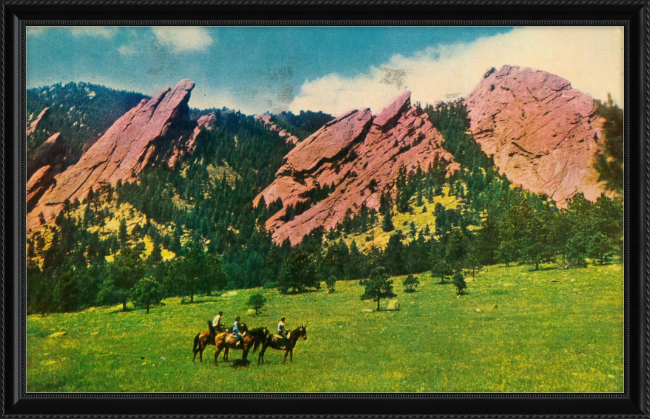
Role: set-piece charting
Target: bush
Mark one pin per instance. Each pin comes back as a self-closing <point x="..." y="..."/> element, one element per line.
<point x="331" y="283"/>
<point x="410" y="283"/>
<point x="459" y="281"/>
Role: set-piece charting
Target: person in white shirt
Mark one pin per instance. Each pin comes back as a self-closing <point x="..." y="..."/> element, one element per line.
<point x="282" y="331"/>
<point x="216" y="323"/>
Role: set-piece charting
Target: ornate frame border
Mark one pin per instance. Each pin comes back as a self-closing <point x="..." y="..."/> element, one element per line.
<point x="634" y="15"/>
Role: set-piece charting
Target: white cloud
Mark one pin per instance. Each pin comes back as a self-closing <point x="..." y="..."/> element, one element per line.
<point x="591" y="58"/>
<point x="128" y="49"/>
<point x="181" y="39"/>
<point x="35" y="30"/>
<point x="105" y="32"/>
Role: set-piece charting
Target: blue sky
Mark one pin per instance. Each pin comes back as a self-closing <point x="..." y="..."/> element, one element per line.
<point x="259" y="69"/>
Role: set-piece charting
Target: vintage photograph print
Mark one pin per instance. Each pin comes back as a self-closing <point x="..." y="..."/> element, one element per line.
<point x="324" y="209"/>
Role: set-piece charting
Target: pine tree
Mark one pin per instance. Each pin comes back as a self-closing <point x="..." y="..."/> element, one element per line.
<point x="256" y="302"/>
<point x="379" y="286"/>
<point x="147" y="292"/>
<point x="331" y="284"/>
<point x="124" y="272"/>
<point x="410" y="283"/>
<point x="459" y="282"/>
<point x="387" y="223"/>
<point x="122" y="232"/>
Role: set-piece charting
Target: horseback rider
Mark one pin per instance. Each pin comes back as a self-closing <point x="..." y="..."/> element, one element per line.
<point x="216" y="323"/>
<point x="235" y="331"/>
<point x="282" y="331"/>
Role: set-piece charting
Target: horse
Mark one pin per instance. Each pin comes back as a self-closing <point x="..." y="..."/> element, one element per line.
<point x="253" y="338"/>
<point x="275" y="342"/>
<point x="203" y="339"/>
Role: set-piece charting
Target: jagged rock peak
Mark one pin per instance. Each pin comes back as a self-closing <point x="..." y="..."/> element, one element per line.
<point x="267" y="121"/>
<point x="126" y="148"/>
<point x="332" y="139"/>
<point x="358" y="160"/>
<point x="34" y="124"/>
<point x="392" y="112"/>
<point x="542" y="133"/>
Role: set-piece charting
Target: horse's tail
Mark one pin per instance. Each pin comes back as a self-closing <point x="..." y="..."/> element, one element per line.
<point x="258" y="340"/>
<point x="256" y="344"/>
<point x="196" y="342"/>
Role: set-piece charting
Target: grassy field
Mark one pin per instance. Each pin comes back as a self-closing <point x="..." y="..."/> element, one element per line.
<point x="515" y="331"/>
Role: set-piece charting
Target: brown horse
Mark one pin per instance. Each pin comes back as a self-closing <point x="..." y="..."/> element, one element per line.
<point x="275" y="342"/>
<point x="252" y="340"/>
<point x="203" y="339"/>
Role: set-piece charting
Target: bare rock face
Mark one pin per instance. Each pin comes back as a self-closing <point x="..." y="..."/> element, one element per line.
<point x="128" y="146"/>
<point x="266" y="120"/>
<point x="37" y="184"/>
<point x="360" y="158"/>
<point x="34" y="124"/>
<point x="542" y="133"/>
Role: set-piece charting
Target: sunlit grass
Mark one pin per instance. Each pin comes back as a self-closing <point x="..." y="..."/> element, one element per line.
<point x="377" y="237"/>
<point x="516" y="330"/>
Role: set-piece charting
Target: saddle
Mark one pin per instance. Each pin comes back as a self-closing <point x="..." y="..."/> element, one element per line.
<point x="277" y="336"/>
<point x="232" y="338"/>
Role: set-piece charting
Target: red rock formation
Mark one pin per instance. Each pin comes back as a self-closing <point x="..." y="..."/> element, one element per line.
<point x="122" y="152"/>
<point x="542" y="133"/>
<point x="357" y="155"/>
<point x="34" y="124"/>
<point x="266" y="120"/>
<point x="38" y="184"/>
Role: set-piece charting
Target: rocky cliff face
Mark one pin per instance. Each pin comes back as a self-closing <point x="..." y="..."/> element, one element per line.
<point x="272" y="126"/>
<point x="542" y="133"/>
<point x="128" y="146"/>
<point x="359" y="156"/>
<point x="32" y="126"/>
<point x="37" y="184"/>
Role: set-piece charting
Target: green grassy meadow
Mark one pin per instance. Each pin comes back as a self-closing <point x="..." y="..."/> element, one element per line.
<point x="516" y="330"/>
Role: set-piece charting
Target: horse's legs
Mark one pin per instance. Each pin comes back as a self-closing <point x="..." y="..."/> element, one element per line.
<point x="291" y="355"/>
<point x="225" y="354"/>
<point x="285" y="356"/>
<point x="260" y="358"/>
<point x="201" y="349"/>
<point x="216" y="355"/>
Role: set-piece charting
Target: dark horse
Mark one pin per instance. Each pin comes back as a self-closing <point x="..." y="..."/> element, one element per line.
<point x="252" y="340"/>
<point x="203" y="339"/>
<point x="275" y="342"/>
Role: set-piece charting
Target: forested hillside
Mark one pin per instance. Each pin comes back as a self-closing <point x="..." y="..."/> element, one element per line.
<point x="81" y="112"/>
<point x="194" y="229"/>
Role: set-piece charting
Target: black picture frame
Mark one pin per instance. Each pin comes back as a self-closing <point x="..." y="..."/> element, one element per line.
<point x="634" y="15"/>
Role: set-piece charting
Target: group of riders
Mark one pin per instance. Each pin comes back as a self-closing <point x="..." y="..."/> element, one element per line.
<point x="239" y="336"/>
<point x="237" y="328"/>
